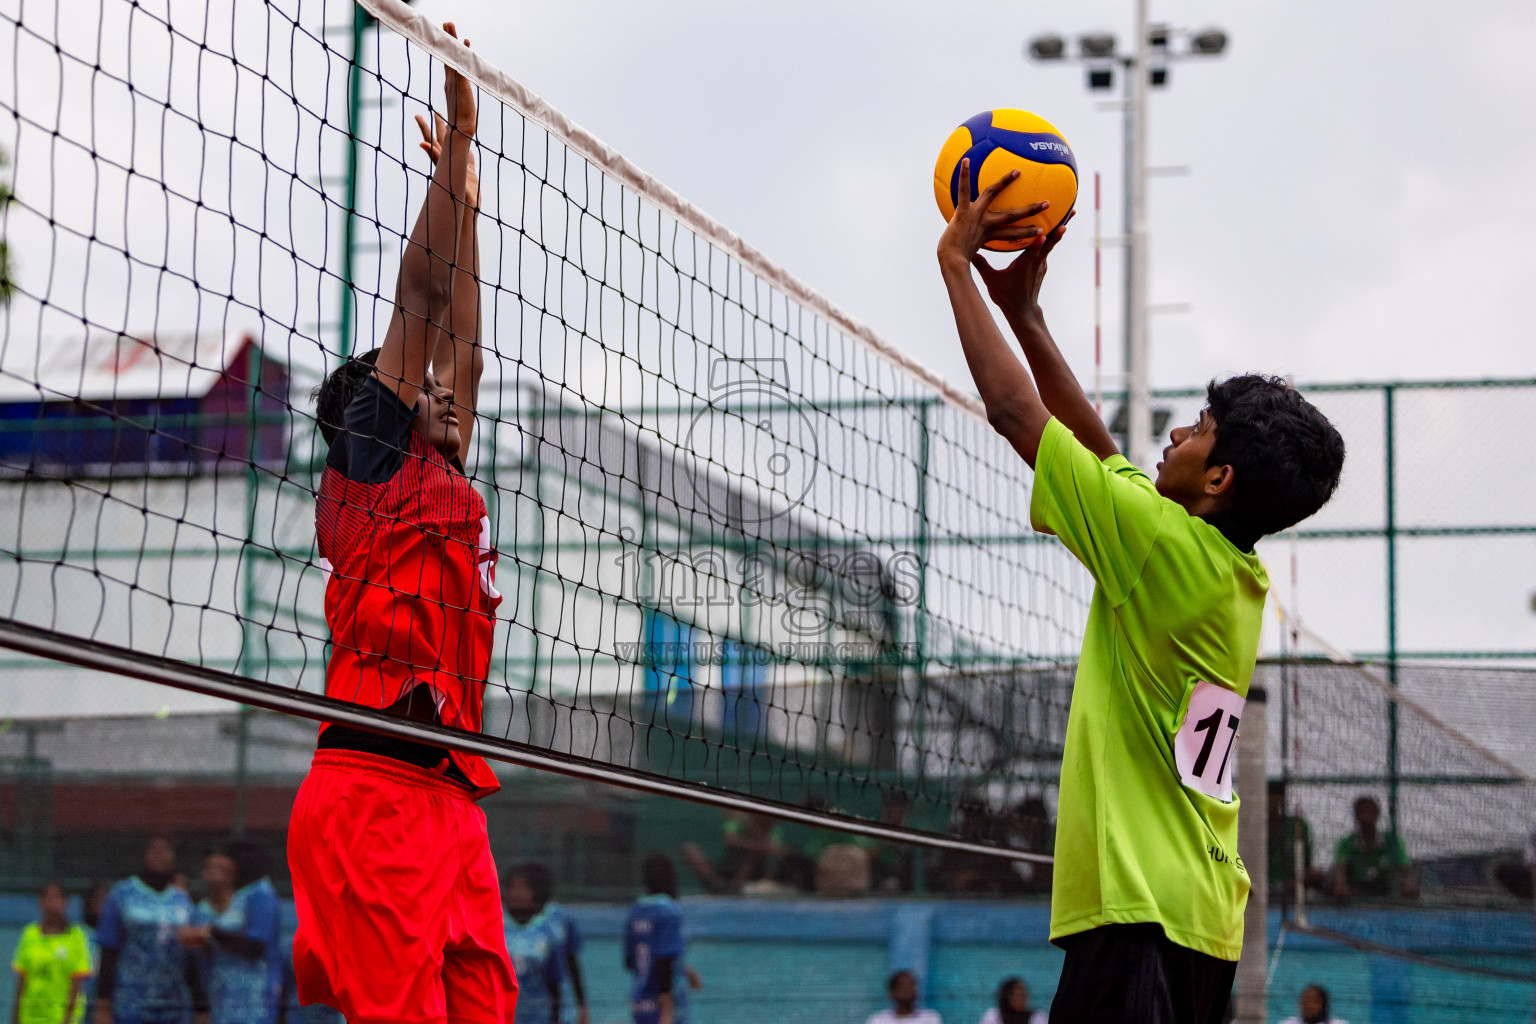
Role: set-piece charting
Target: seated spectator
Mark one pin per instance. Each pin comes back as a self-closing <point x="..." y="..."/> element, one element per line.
<point x="1013" y="1006"/>
<point x="902" y="987"/>
<point x="751" y="843"/>
<point x="1313" y="1005"/>
<point x="843" y="869"/>
<point x="960" y="872"/>
<point x="755" y="860"/>
<point x="1283" y="831"/>
<point x="847" y="864"/>
<point x="1371" y="863"/>
<point x="890" y="864"/>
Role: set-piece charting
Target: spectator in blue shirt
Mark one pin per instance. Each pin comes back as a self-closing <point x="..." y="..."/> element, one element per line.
<point x="569" y="936"/>
<point x="536" y="948"/>
<point x="146" y="975"/>
<point x="654" y="948"/>
<point x="236" y="934"/>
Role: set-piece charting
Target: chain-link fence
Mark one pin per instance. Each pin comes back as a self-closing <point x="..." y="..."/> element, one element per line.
<point x="1428" y="550"/>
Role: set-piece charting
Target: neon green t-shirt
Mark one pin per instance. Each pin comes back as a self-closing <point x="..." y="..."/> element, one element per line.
<point x="48" y="965"/>
<point x="1147" y="821"/>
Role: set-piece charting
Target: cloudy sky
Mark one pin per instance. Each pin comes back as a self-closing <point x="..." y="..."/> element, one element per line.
<point x="1358" y="204"/>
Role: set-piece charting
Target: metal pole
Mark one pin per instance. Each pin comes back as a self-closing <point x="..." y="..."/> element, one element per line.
<point x="540" y="425"/>
<point x="247" y="638"/>
<point x="920" y="624"/>
<point x="1253" y="848"/>
<point x="1390" y="402"/>
<point x="92" y="654"/>
<point x="1139" y="421"/>
<point x="1098" y="313"/>
<point x="1127" y="245"/>
<point x="360" y="21"/>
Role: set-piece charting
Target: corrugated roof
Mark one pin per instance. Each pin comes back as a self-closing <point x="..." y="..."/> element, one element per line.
<point x="106" y="366"/>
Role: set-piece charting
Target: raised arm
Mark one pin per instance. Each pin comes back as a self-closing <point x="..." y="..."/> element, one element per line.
<point x="1016" y="290"/>
<point x="457" y="358"/>
<point x="424" y="287"/>
<point x="1014" y="407"/>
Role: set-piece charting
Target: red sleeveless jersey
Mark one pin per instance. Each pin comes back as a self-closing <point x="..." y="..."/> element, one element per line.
<point x="410" y="594"/>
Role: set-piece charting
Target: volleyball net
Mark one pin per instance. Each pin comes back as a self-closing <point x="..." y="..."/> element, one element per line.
<point x="749" y="553"/>
<point x="1402" y="805"/>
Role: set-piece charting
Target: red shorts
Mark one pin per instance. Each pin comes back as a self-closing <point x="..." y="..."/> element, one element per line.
<point x="399" y="907"/>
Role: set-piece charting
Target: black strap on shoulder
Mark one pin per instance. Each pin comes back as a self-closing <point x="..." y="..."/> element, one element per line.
<point x="375" y="435"/>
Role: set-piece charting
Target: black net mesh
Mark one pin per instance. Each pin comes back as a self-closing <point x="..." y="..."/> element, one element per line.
<point x="1435" y="914"/>
<point x="737" y="544"/>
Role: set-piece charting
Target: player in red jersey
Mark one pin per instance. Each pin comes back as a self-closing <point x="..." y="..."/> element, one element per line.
<point x="398" y="901"/>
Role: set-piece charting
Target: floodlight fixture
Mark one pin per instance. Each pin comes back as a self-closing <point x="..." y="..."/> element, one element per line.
<point x="1101" y="78"/>
<point x="1047" y="47"/>
<point x="1096" y="44"/>
<point x="1210" y="43"/>
<point x="1157" y="37"/>
<point x="1158" y="77"/>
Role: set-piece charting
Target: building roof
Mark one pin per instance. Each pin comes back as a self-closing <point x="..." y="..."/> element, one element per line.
<point x="109" y="367"/>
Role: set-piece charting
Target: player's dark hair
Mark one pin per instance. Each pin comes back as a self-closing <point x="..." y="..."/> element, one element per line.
<point x="251" y="861"/>
<point x="52" y="883"/>
<point x="658" y="874"/>
<point x="335" y="393"/>
<point x="537" y="878"/>
<point x="1285" y="455"/>
<point x="1361" y="801"/>
<point x="1006" y="1013"/>
<point x="157" y="837"/>
<point x="1322" y="1000"/>
<point x="890" y="983"/>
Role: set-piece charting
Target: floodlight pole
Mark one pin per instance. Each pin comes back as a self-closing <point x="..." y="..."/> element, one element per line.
<point x="1097" y="51"/>
<point x="1139" y="420"/>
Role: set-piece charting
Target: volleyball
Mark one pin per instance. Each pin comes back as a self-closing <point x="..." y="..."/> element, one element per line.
<point x="999" y="141"/>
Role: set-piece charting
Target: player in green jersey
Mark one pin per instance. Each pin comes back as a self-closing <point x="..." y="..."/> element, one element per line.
<point x="1147" y="898"/>
<point x="52" y="961"/>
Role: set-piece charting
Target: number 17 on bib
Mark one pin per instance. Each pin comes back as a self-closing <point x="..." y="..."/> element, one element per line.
<point x="1205" y="744"/>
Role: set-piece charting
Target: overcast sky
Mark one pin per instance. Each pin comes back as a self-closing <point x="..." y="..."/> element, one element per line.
<point x="1360" y="201"/>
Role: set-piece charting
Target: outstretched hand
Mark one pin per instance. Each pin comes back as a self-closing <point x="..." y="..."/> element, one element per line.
<point x="1016" y="288"/>
<point x="459" y="93"/>
<point x="432" y="143"/>
<point x="975" y="223"/>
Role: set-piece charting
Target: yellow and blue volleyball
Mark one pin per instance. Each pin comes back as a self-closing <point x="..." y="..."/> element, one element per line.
<point x="999" y="141"/>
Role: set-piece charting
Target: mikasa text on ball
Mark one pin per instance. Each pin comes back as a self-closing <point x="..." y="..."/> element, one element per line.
<point x="999" y="141"/>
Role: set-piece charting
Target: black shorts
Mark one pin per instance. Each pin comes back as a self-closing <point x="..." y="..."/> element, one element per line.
<point x="1134" y="974"/>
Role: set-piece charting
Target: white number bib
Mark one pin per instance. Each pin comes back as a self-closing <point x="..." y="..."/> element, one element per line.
<point x="1205" y="747"/>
